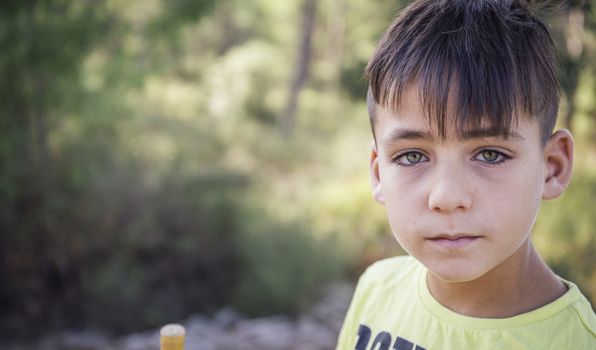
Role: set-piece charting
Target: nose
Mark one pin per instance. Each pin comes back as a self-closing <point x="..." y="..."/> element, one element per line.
<point x="449" y="191"/>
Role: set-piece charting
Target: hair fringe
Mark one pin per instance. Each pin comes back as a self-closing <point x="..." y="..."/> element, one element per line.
<point x="495" y="56"/>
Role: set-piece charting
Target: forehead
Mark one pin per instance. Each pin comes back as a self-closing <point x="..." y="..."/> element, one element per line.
<point x="410" y="119"/>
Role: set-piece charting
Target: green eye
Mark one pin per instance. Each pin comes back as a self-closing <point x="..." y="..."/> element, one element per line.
<point x="410" y="158"/>
<point x="413" y="157"/>
<point x="490" y="155"/>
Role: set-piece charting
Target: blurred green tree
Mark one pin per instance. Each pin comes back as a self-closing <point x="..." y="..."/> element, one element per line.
<point x="144" y="165"/>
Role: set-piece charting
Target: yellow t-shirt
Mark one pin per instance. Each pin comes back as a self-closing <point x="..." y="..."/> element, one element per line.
<point x="392" y="308"/>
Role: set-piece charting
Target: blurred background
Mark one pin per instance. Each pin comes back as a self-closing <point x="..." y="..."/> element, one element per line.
<point x="160" y="159"/>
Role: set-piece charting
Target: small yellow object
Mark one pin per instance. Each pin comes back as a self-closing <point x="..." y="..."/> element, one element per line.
<point x="172" y="337"/>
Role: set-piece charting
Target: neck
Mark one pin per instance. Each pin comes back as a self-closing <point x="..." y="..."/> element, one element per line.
<point x="521" y="283"/>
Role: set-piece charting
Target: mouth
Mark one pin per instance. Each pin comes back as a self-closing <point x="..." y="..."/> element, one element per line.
<point x="453" y="241"/>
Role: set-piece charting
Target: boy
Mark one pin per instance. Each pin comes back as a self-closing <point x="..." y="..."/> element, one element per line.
<point x="463" y="98"/>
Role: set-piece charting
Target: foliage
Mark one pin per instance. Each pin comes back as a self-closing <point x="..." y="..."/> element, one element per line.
<point x="158" y="248"/>
<point x="565" y="232"/>
<point x="283" y="266"/>
<point x="144" y="175"/>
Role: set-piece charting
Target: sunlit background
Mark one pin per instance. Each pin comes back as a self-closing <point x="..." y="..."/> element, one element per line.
<point x="160" y="159"/>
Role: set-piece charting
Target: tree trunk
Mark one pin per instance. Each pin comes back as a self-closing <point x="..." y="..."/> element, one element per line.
<point x="302" y="65"/>
<point x="574" y="44"/>
<point x="227" y="28"/>
<point x="336" y="18"/>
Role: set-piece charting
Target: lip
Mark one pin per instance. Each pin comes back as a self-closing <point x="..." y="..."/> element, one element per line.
<point x="453" y="241"/>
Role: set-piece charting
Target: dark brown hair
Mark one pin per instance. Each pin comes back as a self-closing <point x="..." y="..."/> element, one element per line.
<point x="495" y="56"/>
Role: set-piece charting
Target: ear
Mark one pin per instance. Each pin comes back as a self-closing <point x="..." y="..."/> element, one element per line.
<point x="375" y="178"/>
<point x="558" y="156"/>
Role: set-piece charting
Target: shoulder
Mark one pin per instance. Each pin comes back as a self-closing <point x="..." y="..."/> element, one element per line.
<point x="569" y="320"/>
<point x="388" y="273"/>
<point x="379" y="292"/>
<point x="583" y="311"/>
<point x="403" y="263"/>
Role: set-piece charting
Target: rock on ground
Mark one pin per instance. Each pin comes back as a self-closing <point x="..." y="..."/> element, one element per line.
<point x="317" y="329"/>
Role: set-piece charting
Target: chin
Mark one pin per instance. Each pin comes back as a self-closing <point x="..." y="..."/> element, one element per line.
<point x="453" y="273"/>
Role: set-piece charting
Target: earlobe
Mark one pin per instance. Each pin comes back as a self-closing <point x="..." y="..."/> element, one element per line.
<point x="558" y="155"/>
<point x="375" y="178"/>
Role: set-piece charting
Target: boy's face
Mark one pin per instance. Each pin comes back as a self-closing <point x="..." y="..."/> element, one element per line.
<point x="461" y="206"/>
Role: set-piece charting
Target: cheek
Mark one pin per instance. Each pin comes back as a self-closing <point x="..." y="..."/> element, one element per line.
<point x="405" y="207"/>
<point x="517" y="200"/>
<point x="399" y="192"/>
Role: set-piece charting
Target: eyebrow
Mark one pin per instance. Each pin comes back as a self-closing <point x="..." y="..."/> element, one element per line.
<point x="412" y="134"/>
